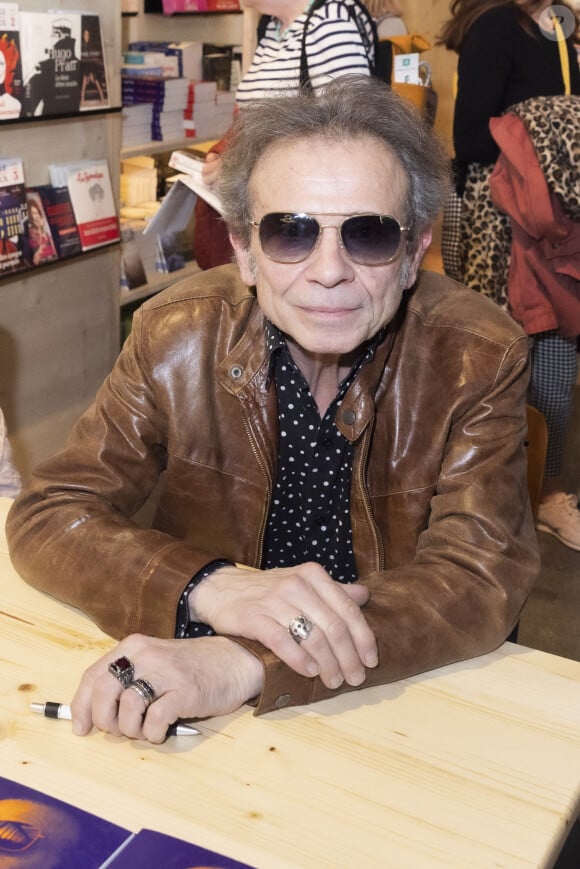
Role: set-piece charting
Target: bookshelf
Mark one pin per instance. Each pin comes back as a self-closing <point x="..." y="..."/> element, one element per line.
<point x="228" y="27"/>
<point x="59" y="323"/>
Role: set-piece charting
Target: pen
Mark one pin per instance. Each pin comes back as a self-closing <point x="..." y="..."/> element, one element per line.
<point x="50" y="709"/>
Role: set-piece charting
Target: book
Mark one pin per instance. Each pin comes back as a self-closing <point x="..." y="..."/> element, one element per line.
<point x="187" y="53"/>
<point x="149" y="849"/>
<point x="55" y="833"/>
<point x="151" y="63"/>
<point x="52" y="832"/>
<point x="190" y="168"/>
<point x="59" y="212"/>
<point x="94" y="83"/>
<point x="11" y="96"/>
<point x="51" y="62"/>
<point x="171" y="228"/>
<point x="42" y="246"/>
<point x="133" y="273"/>
<point x="91" y="195"/>
<point x="14" y="246"/>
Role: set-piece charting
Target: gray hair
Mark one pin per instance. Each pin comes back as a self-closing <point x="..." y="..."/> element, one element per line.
<point x="348" y="109"/>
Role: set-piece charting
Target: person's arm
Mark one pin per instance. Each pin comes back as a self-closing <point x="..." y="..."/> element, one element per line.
<point x="483" y="70"/>
<point x="70" y="533"/>
<point x="475" y="563"/>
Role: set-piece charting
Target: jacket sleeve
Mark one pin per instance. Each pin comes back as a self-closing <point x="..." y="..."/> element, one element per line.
<point x="475" y="562"/>
<point x="70" y="533"/>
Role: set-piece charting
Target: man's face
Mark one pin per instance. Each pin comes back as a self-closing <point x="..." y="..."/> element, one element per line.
<point x="328" y="304"/>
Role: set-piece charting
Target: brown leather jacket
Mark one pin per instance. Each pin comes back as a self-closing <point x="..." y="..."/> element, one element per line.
<point x="442" y="528"/>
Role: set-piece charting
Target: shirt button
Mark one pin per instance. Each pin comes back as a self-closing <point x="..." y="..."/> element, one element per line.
<point x="326" y="442"/>
<point x="236" y="372"/>
<point x="321" y="520"/>
<point x="282" y="700"/>
<point x="349" y="417"/>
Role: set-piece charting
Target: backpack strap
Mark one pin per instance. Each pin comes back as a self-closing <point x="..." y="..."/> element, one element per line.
<point x="263" y="22"/>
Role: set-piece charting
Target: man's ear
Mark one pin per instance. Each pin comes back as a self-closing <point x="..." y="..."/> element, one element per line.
<point x="244" y="260"/>
<point x="422" y="243"/>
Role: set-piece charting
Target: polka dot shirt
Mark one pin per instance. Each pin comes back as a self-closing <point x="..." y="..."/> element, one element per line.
<point x="309" y="516"/>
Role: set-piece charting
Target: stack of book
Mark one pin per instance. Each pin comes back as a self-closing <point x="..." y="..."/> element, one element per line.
<point x="168" y="97"/>
<point x="201" y="111"/>
<point x="188" y="55"/>
<point x="138" y="181"/>
<point x="225" y="103"/>
<point x="150" y="63"/>
<point x="136" y="123"/>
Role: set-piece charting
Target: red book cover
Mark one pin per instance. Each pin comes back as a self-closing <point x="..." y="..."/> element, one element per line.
<point x="63" y="226"/>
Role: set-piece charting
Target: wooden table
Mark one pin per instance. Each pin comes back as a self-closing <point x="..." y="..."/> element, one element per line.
<point x="473" y="765"/>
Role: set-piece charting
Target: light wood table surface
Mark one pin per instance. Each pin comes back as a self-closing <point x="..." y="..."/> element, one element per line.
<point x="472" y="765"/>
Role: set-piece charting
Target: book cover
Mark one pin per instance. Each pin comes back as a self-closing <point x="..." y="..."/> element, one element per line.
<point x="91" y="195"/>
<point x="94" y="84"/>
<point x="133" y="273"/>
<point x="14" y="247"/>
<point x="42" y="831"/>
<point x="11" y="91"/>
<point x="51" y="62"/>
<point x="152" y="850"/>
<point x="59" y="211"/>
<point x="39" y="830"/>
<point x="190" y="176"/>
<point x="42" y="246"/>
<point x="171" y="227"/>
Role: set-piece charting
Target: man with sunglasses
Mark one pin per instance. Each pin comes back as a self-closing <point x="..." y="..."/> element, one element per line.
<point x="340" y="441"/>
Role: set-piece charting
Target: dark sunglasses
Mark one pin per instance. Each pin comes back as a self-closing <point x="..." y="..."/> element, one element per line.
<point x="368" y="239"/>
<point x="17" y="836"/>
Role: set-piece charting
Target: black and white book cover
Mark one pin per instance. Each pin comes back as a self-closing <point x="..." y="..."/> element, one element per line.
<point x="94" y="84"/>
<point x="51" y="62"/>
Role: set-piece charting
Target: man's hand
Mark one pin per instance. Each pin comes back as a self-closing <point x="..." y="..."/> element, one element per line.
<point x="191" y="679"/>
<point x="260" y="604"/>
<point x="210" y="168"/>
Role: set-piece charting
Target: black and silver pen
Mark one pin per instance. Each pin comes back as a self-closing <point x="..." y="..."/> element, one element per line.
<point x="50" y="709"/>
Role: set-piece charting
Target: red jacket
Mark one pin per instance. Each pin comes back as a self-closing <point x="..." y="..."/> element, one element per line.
<point x="544" y="276"/>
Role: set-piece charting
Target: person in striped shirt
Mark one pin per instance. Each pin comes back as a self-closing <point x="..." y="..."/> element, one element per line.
<point x="334" y="47"/>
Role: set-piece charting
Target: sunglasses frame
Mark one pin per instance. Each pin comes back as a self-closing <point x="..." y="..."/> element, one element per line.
<point x="321" y="226"/>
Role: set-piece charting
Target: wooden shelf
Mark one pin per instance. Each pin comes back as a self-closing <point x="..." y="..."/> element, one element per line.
<point x="155" y="147"/>
<point x="156" y="284"/>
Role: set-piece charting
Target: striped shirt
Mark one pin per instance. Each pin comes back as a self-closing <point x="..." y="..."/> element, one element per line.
<point x="333" y="48"/>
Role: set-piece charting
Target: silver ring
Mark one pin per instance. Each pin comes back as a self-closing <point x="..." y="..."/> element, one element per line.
<point x="123" y="670"/>
<point x="145" y="690"/>
<point x="300" y="628"/>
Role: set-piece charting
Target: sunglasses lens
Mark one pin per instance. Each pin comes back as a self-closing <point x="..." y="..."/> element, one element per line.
<point x="288" y="238"/>
<point x="371" y="239"/>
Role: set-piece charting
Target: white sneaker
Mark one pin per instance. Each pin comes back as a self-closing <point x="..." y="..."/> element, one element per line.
<point x="560" y="516"/>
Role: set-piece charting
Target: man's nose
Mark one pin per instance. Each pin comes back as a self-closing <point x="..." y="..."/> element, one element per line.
<point x="330" y="258"/>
